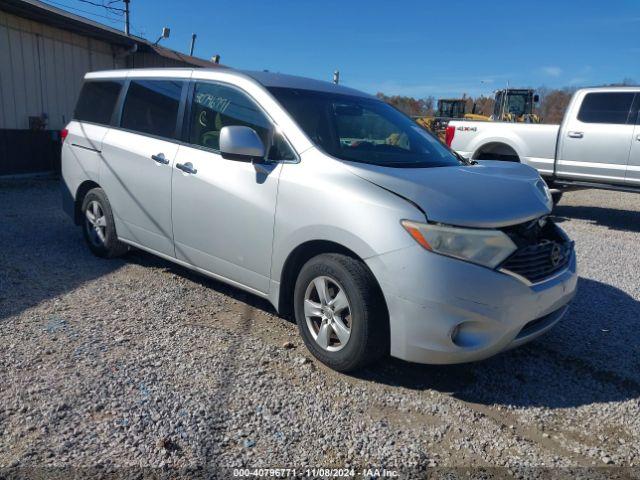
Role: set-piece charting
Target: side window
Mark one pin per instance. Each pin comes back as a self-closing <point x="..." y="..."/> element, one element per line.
<point x="151" y="106"/>
<point x="97" y="100"/>
<point x="606" y="107"/>
<point x="215" y="106"/>
<point x="280" y="149"/>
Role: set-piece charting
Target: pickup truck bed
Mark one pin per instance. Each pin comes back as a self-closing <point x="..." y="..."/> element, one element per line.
<point x="532" y="144"/>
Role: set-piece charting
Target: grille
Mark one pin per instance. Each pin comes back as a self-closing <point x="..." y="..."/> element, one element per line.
<point x="539" y="261"/>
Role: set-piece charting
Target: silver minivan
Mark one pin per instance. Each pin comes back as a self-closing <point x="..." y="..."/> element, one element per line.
<point x="329" y="203"/>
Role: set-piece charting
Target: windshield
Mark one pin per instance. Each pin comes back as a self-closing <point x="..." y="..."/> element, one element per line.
<point x="451" y="109"/>
<point x="517" y="103"/>
<point x="361" y="129"/>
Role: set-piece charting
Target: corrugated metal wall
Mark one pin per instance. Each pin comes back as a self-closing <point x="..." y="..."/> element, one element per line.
<point x="41" y="69"/>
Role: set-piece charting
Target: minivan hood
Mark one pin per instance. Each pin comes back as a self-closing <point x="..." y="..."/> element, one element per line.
<point x="489" y="194"/>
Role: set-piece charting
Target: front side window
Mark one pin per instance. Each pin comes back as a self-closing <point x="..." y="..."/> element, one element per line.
<point x="97" y="100"/>
<point x="363" y="129"/>
<point x="280" y="149"/>
<point x="151" y="107"/>
<point x="216" y="106"/>
<point x="610" y="107"/>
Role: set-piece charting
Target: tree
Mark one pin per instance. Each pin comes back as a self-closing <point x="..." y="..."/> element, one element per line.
<point x="553" y="105"/>
<point x="429" y="105"/>
<point x="484" y="105"/>
<point x="409" y="105"/>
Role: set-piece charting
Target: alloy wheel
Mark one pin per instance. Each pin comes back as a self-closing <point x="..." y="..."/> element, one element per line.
<point x="327" y="313"/>
<point x="96" y="223"/>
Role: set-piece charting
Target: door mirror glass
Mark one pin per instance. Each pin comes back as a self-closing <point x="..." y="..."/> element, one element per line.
<point x="241" y="143"/>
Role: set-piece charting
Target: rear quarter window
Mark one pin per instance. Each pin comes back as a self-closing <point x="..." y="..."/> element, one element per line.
<point x="97" y="101"/>
<point x="610" y="107"/>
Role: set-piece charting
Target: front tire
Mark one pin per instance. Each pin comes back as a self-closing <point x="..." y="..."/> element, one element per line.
<point x="340" y="312"/>
<point x="98" y="226"/>
<point x="556" y="197"/>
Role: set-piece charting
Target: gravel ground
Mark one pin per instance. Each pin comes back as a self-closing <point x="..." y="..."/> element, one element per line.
<point x="140" y="363"/>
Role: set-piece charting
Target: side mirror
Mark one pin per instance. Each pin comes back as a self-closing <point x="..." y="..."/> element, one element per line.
<point x="536" y="98"/>
<point x="241" y="143"/>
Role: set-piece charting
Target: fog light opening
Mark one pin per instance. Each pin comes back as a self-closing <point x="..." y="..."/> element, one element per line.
<point x="470" y="334"/>
<point x="454" y="333"/>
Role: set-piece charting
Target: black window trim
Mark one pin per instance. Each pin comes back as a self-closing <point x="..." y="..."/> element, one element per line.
<point x="629" y="120"/>
<point x="186" y="125"/>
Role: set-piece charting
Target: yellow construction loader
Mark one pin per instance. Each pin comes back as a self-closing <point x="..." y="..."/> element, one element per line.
<point x="515" y="105"/>
<point x="448" y="109"/>
<point x="511" y="105"/>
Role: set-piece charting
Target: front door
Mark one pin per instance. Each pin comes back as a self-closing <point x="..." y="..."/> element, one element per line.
<point x="224" y="210"/>
<point x="633" y="167"/>
<point x="138" y="159"/>
<point x="595" y="145"/>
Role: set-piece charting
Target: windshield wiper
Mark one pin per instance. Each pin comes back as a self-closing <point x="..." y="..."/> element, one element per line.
<point x="466" y="161"/>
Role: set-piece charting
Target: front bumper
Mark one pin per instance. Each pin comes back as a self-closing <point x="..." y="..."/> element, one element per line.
<point x="444" y="310"/>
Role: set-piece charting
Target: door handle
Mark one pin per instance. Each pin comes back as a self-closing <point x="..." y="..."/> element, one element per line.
<point x="160" y="158"/>
<point x="638" y="138"/>
<point x="186" y="167"/>
<point x="576" y="135"/>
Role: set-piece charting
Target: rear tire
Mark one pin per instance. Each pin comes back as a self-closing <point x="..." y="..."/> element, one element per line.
<point x="98" y="226"/>
<point x="348" y="328"/>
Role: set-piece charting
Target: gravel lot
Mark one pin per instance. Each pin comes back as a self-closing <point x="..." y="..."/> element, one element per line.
<point x="137" y="362"/>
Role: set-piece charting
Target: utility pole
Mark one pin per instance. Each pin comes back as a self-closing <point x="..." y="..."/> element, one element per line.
<point x="126" y="16"/>
<point x="193" y="44"/>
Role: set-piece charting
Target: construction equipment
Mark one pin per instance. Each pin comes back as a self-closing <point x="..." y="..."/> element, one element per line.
<point x="515" y="105"/>
<point x="511" y="105"/>
<point x="448" y="108"/>
<point x="451" y="108"/>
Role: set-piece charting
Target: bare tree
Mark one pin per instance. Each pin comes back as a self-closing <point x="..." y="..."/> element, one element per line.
<point x="551" y="107"/>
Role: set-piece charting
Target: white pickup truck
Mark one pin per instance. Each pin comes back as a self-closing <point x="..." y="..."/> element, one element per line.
<point x="597" y="145"/>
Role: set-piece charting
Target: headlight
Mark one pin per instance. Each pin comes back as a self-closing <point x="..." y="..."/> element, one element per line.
<point x="543" y="188"/>
<point x="481" y="246"/>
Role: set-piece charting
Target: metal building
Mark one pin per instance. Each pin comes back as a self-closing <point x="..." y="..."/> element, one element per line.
<point x="44" y="54"/>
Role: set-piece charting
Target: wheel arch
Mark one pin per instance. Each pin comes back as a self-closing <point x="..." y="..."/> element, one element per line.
<point x="81" y="192"/>
<point x="302" y="254"/>
<point x="497" y="150"/>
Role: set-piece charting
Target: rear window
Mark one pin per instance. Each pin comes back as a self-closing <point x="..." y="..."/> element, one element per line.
<point x="97" y="101"/>
<point x="611" y="107"/>
<point x="151" y="106"/>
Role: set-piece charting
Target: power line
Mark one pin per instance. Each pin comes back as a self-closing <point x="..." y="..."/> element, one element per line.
<point x="74" y="9"/>
<point x="119" y="21"/>
<point x="106" y="6"/>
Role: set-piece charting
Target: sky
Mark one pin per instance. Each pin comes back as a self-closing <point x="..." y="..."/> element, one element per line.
<point x="417" y="48"/>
